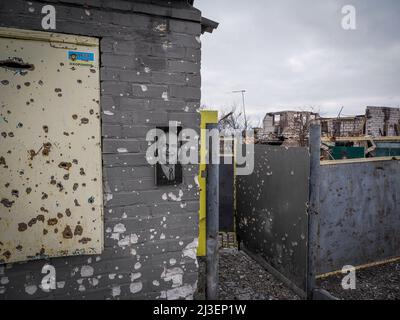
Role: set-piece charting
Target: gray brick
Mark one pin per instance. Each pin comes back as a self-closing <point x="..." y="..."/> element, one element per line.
<point x="183" y="66"/>
<point x="121" y="61"/>
<point x="149" y="91"/>
<point x="184" y="92"/>
<point x="123" y="145"/>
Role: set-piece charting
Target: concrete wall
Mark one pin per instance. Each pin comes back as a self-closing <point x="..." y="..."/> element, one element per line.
<point x="382" y="121"/>
<point x="359" y="218"/>
<point x="150" y="74"/>
<point x="271" y="209"/>
<point x="343" y="127"/>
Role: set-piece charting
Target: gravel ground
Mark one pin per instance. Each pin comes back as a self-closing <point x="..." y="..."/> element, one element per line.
<point x="242" y="278"/>
<point x="375" y="283"/>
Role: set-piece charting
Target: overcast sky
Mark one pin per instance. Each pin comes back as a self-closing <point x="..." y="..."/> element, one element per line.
<point x="294" y="54"/>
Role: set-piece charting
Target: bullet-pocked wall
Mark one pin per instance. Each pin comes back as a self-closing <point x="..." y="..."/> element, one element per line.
<point x="150" y="75"/>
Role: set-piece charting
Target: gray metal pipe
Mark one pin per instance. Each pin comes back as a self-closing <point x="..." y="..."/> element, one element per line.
<point x="313" y="210"/>
<point x="212" y="221"/>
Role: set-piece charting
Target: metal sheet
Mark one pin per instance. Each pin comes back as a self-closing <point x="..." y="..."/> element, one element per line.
<point x="359" y="214"/>
<point x="272" y="209"/>
<point x="50" y="171"/>
<point x="226" y="196"/>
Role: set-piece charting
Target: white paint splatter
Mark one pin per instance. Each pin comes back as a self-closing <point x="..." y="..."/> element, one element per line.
<point x="143" y="87"/>
<point x="30" y="289"/>
<point x="175" y="275"/>
<point x="173" y="197"/>
<point x="122" y="150"/>
<point x="134" y="238"/>
<point x="191" y="249"/>
<point x="165" y="95"/>
<point x="108" y="113"/>
<point x="119" y="228"/>
<point x="135" y="276"/>
<point x="156" y="283"/>
<point x="172" y="261"/>
<point x="111" y="276"/>
<point x="87" y="271"/>
<point x="138" y="265"/>
<point x="4" y="280"/>
<point x="116" y="291"/>
<point x="135" y="287"/>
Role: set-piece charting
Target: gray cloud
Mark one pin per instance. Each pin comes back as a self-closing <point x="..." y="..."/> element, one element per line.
<point x="294" y="54"/>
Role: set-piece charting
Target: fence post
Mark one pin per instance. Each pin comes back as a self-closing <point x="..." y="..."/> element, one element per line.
<point x="212" y="218"/>
<point x="313" y="211"/>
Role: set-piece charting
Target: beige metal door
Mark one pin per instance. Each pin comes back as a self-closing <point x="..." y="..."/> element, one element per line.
<point x="50" y="146"/>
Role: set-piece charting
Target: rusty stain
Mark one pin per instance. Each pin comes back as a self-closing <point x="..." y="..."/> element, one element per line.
<point x="46" y="148"/>
<point x="84" y="240"/>
<point x="68" y="212"/>
<point x="78" y="230"/>
<point x="32" y="222"/>
<point x="7" y="254"/>
<point x="82" y="172"/>
<point x="18" y="247"/>
<point x="67" y="233"/>
<point x="32" y="154"/>
<point x="44" y="195"/>
<point x="75" y="186"/>
<point x="74" y="116"/>
<point x="91" y="199"/>
<point x="40" y="218"/>
<point x="22" y="226"/>
<point x="59" y="215"/>
<point x="52" y="221"/>
<point x="15" y="193"/>
<point x="45" y="231"/>
<point x="43" y="209"/>
<point x="60" y="186"/>
<point x="7" y="203"/>
<point x="65" y="165"/>
<point x="76" y="203"/>
<point x="66" y="176"/>
<point x="45" y="129"/>
<point x="28" y="190"/>
<point x="84" y="120"/>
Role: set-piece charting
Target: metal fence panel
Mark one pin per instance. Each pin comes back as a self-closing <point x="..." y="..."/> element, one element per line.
<point x="272" y="209"/>
<point x="359" y="214"/>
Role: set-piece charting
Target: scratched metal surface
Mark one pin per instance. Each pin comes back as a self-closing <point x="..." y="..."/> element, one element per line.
<point x="272" y="209"/>
<point x="359" y="214"/>
<point x="50" y="153"/>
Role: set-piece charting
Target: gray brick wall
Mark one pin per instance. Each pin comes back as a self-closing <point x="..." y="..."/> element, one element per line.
<point x="150" y="239"/>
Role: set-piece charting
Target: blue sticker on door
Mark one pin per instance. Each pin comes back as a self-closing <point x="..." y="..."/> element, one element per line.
<point x="81" y="56"/>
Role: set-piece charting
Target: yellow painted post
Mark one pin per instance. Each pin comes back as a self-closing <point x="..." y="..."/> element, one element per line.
<point x="207" y="116"/>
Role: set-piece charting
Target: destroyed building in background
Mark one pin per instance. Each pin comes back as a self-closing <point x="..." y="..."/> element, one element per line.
<point x="291" y="128"/>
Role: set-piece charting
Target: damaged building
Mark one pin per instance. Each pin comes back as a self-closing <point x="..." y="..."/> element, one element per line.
<point x="82" y="213"/>
<point x="291" y="128"/>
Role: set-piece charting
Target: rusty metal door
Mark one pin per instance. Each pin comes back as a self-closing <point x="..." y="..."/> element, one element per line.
<point x="50" y="149"/>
